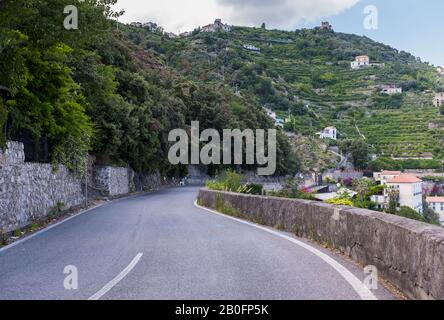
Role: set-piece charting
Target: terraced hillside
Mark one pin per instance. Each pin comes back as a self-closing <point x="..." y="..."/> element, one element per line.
<point x="401" y="133"/>
<point x="306" y="76"/>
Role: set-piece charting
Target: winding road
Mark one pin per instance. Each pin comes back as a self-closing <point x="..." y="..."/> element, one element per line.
<point x="162" y="246"/>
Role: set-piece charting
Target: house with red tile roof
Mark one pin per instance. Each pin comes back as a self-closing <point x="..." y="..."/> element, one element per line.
<point x="408" y="186"/>
<point x="409" y="189"/>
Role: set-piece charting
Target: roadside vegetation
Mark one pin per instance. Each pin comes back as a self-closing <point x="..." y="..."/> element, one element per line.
<point x="353" y="193"/>
<point x="231" y="181"/>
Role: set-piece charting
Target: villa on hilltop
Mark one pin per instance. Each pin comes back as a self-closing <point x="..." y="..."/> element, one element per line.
<point x="325" y="25"/>
<point x="216" y="26"/>
<point x="150" y="26"/>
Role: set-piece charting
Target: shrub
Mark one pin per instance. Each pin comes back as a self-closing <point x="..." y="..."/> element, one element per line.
<point x="3" y="239"/>
<point x="292" y="191"/>
<point x="341" y="202"/>
<point x="231" y="181"/>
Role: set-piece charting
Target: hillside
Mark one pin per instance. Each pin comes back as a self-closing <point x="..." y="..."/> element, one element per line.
<point x="92" y="91"/>
<point x="306" y="76"/>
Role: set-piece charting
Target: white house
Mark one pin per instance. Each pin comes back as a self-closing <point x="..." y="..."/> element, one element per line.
<point x="437" y="204"/>
<point x="360" y="62"/>
<point x="251" y="48"/>
<point x="439" y="99"/>
<point x="440" y="70"/>
<point x="391" y="89"/>
<point x="410" y="191"/>
<point x="329" y="133"/>
<point x="383" y="176"/>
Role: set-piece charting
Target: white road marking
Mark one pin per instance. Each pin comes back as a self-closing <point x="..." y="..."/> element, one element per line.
<point x="52" y="226"/>
<point x="363" y="292"/>
<point x="117" y="279"/>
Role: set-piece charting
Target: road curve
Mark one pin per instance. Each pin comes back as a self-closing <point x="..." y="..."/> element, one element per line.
<point x="161" y="246"/>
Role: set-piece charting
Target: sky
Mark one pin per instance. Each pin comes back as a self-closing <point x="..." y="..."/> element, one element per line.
<point x="414" y="26"/>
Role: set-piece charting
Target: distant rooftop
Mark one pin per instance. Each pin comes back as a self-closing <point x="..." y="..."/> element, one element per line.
<point x="405" y="179"/>
<point x="391" y="173"/>
<point x="435" y="199"/>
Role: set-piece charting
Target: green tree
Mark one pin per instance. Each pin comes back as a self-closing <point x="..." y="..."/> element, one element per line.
<point x="393" y="197"/>
<point x="359" y="152"/>
<point x="362" y="187"/>
<point x="35" y="53"/>
<point x="409" y="213"/>
<point x="430" y="216"/>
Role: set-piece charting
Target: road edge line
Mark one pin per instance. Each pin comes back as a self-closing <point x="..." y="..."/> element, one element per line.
<point x="357" y="285"/>
<point x="52" y="226"/>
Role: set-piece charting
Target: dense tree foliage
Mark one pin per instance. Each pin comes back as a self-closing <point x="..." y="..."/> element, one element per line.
<point x="358" y="150"/>
<point x="93" y="90"/>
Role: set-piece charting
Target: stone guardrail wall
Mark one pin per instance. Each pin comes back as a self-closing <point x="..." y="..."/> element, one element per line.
<point x="407" y="253"/>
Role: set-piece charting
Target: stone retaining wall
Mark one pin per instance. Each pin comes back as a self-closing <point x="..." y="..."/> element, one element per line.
<point x="28" y="191"/>
<point x="112" y="181"/>
<point x="407" y="253"/>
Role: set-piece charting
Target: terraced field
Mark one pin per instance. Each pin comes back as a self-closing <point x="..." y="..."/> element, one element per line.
<point x="401" y="133"/>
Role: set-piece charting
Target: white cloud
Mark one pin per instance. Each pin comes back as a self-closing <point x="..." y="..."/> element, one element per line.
<point x="185" y="15"/>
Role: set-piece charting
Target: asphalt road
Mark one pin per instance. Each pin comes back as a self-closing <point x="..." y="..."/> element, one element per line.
<point x="161" y="246"/>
